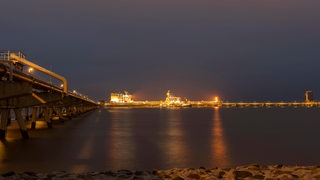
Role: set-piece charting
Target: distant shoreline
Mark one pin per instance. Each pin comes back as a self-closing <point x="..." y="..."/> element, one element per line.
<point x="253" y="171"/>
<point x="211" y="104"/>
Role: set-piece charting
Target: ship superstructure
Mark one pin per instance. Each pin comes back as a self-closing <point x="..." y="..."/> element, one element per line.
<point x="121" y="97"/>
<point x="173" y="101"/>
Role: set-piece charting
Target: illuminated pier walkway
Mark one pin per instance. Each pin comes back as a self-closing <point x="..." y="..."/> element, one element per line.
<point x="28" y="97"/>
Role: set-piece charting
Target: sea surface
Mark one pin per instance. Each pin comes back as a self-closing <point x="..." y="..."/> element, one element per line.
<point x="147" y="139"/>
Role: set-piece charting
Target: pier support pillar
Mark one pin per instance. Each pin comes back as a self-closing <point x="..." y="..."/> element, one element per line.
<point x="51" y="113"/>
<point x="68" y="112"/>
<point x="8" y="118"/>
<point x="21" y="123"/>
<point x="4" y="123"/>
<point x="46" y="117"/>
<point x="27" y="114"/>
<point x="40" y="113"/>
<point x="77" y="111"/>
<point x="59" y="114"/>
<point x="34" y="117"/>
<point x="73" y="111"/>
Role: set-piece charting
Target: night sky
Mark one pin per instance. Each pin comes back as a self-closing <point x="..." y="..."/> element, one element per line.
<point x="240" y="50"/>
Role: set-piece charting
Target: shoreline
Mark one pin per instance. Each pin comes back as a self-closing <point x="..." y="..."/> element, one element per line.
<point x="252" y="171"/>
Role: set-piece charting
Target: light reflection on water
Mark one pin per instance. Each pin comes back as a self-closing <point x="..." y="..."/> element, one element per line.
<point x="176" y="151"/>
<point x="121" y="145"/>
<point x="219" y="146"/>
<point x="166" y="138"/>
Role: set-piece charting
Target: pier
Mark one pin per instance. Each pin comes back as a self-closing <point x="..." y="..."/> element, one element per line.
<point x="27" y="97"/>
<point x="212" y="104"/>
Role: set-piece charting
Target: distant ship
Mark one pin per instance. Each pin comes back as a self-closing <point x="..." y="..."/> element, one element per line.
<point x="121" y="98"/>
<point x="174" y="101"/>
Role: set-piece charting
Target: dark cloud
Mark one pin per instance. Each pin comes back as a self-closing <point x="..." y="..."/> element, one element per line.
<point x="240" y="50"/>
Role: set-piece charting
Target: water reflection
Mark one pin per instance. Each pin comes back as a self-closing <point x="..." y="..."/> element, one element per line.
<point x="84" y="154"/>
<point x="2" y="153"/>
<point x="122" y="148"/>
<point x="175" y="146"/>
<point x="219" y="146"/>
<point x="86" y="150"/>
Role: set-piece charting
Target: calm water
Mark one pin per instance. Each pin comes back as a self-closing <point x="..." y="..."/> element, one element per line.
<point x="145" y="139"/>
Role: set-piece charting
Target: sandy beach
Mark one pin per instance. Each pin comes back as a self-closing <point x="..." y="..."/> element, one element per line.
<point x="253" y="171"/>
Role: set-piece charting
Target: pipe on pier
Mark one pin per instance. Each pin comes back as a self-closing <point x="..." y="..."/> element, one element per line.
<point x="35" y="66"/>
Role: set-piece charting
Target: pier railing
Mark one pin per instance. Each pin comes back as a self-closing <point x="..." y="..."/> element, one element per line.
<point x="5" y="54"/>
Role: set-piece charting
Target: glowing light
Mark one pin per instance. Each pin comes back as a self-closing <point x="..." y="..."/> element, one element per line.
<point x="114" y="99"/>
<point x="30" y="70"/>
<point x="61" y="85"/>
<point x="172" y="100"/>
<point x="121" y="98"/>
<point x="216" y="99"/>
